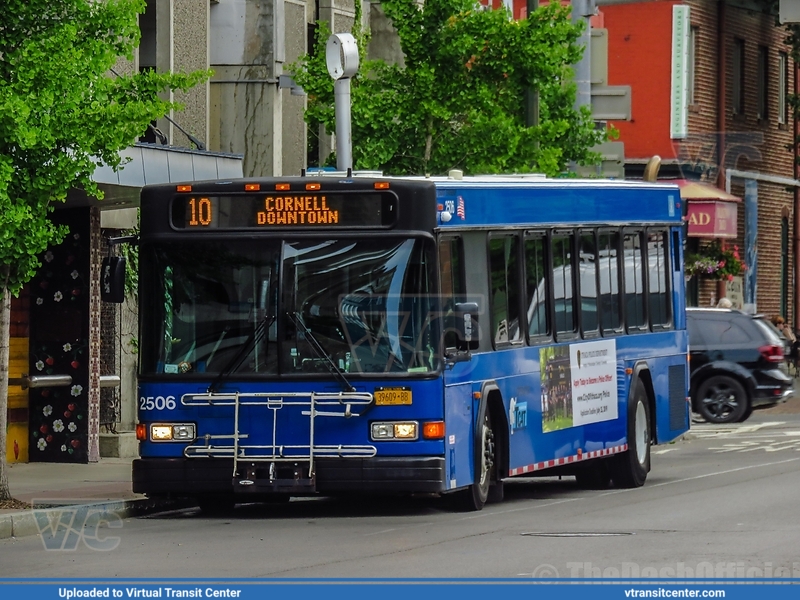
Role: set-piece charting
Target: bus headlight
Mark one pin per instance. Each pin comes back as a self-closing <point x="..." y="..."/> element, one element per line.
<point x="394" y="430"/>
<point x="172" y="432"/>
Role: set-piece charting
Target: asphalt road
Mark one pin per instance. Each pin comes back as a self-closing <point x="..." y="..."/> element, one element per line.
<point x="721" y="503"/>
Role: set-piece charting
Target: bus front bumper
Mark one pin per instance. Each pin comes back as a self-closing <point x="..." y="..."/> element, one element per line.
<point x="196" y="476"/>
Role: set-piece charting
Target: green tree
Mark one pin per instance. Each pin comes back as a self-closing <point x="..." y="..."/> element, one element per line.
<point x="457" y="100"/>
<point x="62" y="112"/>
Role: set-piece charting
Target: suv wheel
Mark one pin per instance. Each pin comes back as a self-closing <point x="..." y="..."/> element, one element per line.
<point x="721" y="399"/>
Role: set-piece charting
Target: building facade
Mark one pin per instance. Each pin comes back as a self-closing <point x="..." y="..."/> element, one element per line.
<point x="710" y="85"/>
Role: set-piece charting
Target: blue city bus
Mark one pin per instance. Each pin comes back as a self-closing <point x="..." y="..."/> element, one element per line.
<point x="340" y="333"/>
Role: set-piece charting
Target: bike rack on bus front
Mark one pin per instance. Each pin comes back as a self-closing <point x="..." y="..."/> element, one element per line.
<point x="298" y="457"/>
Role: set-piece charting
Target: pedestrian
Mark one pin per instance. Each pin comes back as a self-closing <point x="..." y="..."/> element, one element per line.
<point x="724" y="303"/>
<point x="784" y="328"/>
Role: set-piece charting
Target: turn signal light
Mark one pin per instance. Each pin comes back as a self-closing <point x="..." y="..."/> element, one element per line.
<point x="433" y="430"/>
<point x="141" y="432"/>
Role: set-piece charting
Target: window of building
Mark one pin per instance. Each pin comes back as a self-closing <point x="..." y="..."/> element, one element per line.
<point x="783" y="63"/>
<point x="737" y="79"/>
<point x="504" y="287"/>
<point x="693" y="33"/>
<point x="763" y="83"/>
<point x="785" y="266"/>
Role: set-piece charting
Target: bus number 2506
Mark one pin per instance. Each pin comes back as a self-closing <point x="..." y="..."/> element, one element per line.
<point x="157" y="403"/>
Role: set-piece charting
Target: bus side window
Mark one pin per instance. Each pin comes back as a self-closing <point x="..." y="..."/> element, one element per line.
<point x="562" y="253"/>
<point x="657" y="244"/>
<point x="453" y="286"/>
<point x="608" y="257"/>
<point x="537" y="284"/>
<point x="588" y="281"/>
<point x="635" y="315"/>
<point x="504" y="287"/>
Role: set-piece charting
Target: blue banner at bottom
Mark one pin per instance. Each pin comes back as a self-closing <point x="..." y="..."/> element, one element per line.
<point x="395" y="589"/>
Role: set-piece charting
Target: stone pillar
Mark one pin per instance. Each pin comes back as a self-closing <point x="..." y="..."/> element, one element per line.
<point x="251" y="41"/>
<point x="182" y="46"/>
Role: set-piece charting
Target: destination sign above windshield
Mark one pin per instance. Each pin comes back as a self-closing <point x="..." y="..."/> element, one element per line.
<point x="278" y="210"/>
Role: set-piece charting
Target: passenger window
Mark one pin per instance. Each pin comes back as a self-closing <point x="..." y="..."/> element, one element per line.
<point x="608" y="256"/>
<point x="660" y="313"/>
<point x="587" y="277"/>
<point x="562" y="283"/>
<point x="634" y="281"/>
<point x="538" y="305"/>
<point x="504" y="286"/>
<point x="453" y="286"/>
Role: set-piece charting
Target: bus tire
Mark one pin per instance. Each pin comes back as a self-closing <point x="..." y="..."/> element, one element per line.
<point x="485" y="457"/>
<point x="629" y="469"/>
<point x="216" y="504"/>
<point x="594" y="477"/>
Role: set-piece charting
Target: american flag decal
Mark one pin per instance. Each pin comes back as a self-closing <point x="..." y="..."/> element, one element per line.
<point x="460" y="209"/>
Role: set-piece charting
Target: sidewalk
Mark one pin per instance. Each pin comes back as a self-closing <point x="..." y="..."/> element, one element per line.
<point x="106" y="483"/>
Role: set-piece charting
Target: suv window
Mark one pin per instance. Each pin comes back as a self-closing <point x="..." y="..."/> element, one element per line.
<point x="770" y="331"/>
<point x="725" y="330"/>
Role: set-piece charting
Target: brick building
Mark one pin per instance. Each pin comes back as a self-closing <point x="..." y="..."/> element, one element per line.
<point x="710" y="81"/>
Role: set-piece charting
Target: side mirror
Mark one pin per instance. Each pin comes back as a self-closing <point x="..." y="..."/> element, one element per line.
<point x="112" y="279"/>
<point x="467" y="325"/>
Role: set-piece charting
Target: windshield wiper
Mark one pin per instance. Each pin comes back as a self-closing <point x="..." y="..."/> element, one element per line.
<point x="244" y="350"/>
<point x="320" y="351"/>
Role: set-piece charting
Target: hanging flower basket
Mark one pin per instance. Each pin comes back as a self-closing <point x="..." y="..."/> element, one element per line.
<point x="715" y="261"/>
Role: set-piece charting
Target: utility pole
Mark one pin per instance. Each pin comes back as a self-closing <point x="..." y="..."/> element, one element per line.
<point x="341" y="58"/>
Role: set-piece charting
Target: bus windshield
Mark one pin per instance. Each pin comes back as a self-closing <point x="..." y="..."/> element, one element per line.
<point x="275" y="307"/>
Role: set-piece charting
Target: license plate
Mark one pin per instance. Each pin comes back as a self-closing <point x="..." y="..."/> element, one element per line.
<point x="390" y="396"/>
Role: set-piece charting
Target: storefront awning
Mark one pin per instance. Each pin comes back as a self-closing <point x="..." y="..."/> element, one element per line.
<point x="710" y="211"/>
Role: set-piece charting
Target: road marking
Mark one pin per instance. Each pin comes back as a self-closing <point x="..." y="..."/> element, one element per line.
<point x="768" y="445"/>
<point x="663" y="450"/>
<point x="725" y="472"/>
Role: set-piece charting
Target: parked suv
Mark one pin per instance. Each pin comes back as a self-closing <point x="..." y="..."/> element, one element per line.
<point x="737" y="364"/>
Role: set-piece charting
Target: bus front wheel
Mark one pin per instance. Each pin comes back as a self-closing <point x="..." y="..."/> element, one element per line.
<point x="629" y="469"/>
<point x="474" y="497"/>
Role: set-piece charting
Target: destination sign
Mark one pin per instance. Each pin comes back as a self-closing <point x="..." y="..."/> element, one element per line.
<point x="309" y="210"/>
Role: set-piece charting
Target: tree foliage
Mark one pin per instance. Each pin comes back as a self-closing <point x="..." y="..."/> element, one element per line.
<point x="62" y="113"/>
<point x="457" y="101"/>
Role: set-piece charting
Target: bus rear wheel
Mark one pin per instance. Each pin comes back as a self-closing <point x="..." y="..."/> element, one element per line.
<point x="476" y="495"/>
<point x="629" y="469"/>
<point x="216" y="504"/>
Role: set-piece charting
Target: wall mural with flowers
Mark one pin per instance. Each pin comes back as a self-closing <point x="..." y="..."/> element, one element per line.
<point x="59" y="345"/>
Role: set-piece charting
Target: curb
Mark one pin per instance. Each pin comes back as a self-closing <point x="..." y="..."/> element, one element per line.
<point x="25" y="522"/>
